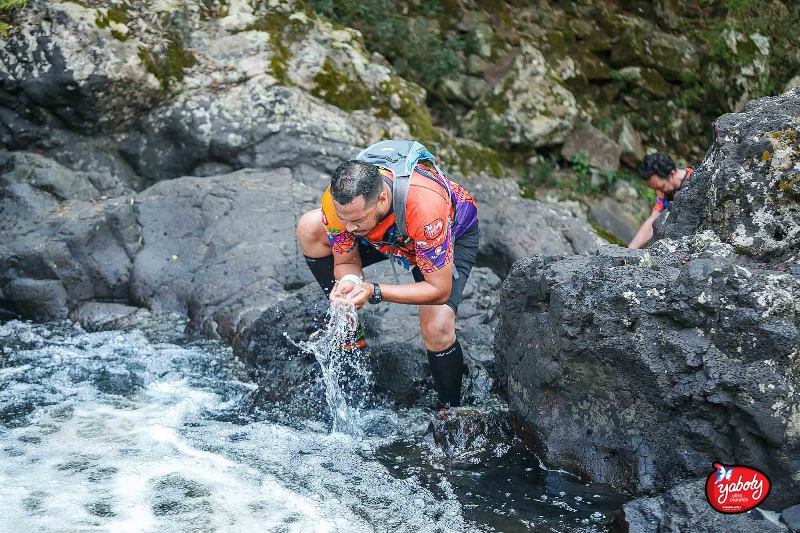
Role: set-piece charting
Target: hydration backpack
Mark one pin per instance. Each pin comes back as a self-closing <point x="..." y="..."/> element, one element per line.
<point x="400" y="157"/>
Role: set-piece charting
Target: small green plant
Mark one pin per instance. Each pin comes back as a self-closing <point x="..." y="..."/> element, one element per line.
<point x="580" y="165"/>
<point x="6" y="7"/>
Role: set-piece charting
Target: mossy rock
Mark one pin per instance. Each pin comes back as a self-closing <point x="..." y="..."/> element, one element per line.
<point x="652" y="82"/>
<point x="345" y="91"/>
<point x="168" y="66"/>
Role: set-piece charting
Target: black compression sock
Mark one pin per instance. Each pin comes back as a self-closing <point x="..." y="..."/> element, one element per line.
<point x="447" y="369"/>
<point x="322" y="270"/>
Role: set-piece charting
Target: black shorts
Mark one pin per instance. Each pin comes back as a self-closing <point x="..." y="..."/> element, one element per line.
<point x="464" y="253"/>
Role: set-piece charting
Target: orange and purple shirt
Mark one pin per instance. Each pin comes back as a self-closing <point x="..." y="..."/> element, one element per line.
<point x="434" y="220"/>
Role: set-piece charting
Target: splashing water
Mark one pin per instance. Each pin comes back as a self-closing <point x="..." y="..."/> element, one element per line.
<point x="345" y="370"/>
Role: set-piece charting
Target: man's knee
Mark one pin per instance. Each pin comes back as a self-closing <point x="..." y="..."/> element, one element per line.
<point x="311" y="234"/>
<point x="438" y="328"/>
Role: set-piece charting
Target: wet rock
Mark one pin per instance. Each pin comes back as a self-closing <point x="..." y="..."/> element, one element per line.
<point x="65" y="241"/>
<point x="527" y="107"/>
<point x="747" y="189"/>
<point x="684" y="508"/>
<point x="640" y="368"/>
<point x="221" y="247"/>
<point x="98" y="316"/>
<point x="600" y="151"/>
<point x="397" y="358"/>
<point x="791" y="517"/>
<point x="468" y="434"/>
<point x="614" y="218"/>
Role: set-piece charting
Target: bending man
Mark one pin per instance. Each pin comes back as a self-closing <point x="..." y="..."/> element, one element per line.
<point x="356" y="227"/>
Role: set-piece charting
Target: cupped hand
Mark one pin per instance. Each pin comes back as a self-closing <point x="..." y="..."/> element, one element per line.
<point x="341" y="292"/>
<point x="361" y="294"/>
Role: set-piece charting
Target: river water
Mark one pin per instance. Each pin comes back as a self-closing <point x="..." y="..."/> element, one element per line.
<point x="148" y="430"/>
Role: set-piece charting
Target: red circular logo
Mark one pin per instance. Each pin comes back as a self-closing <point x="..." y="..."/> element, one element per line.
<point x="734" y="489"/>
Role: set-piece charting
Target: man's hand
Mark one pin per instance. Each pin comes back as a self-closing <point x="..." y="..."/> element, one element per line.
<point x="341" y="293"/>
<point x="360" y="295"/>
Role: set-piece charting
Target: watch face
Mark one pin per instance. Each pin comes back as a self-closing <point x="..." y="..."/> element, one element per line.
<point x="376" y="295"/>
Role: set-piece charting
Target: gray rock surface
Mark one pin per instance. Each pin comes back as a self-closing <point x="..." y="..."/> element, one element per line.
<point x="630" y="143"/>
<point x="221" y="247"/>
<point x="613" y="217"/>
<point x="641" y="368"/>
<point x="64" y="240"/>
<point x="684" y="508"/>
<point x="601" y="152"/>
<point x="529" y="106"/>
<point x="513" y="227"/>
<point x="747" y="190"/>
<point x="791" y="517"/>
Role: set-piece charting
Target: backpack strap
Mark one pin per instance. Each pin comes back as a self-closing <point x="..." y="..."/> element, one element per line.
<point x="400" y="157"/>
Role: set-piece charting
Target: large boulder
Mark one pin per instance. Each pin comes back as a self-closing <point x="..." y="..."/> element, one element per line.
<point x="529" y="106"/>
<point x="59" y="62"/>
<point x="600" y="152"/>
<point x="639" y="43"/>
<point x="747" y="189"/>
<point x="221" y="247"/>
<point x="146" y="93"/>
<point x="67" y="237"/>
<point x="641" y="368"/>
<point x="513" y="227"/>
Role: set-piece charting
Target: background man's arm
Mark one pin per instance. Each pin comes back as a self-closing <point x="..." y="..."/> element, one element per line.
<point x="645" y="232"/>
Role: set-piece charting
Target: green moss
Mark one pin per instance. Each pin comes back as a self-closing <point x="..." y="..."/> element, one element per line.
<point x="112" y="14"/>
<point x="7" y="8"/>
<point x="606" y="235"/>
<point x="343" y="91"/>
<point x="168" y="67"/>
<point x="472" y="158"/>
<point x="425" y="57"/>
<point x="282" y="30"/>
<point x="421" y="125"/>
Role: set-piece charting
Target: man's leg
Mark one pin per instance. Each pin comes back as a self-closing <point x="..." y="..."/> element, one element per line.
<point x="313" y="241"/>
<point x="438" y="325"/>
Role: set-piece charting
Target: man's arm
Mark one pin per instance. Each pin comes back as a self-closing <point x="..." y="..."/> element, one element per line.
<point x="645" y="232"/>
<point x="435" y="290"/>
<point x="344" y="264"/>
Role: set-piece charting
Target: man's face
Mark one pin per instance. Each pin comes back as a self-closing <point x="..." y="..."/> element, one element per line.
<point x="665" y="188"/>
<point x="360" y="217"/>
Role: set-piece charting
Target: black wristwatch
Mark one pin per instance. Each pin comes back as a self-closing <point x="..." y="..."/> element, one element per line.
<point x="376" y="297"/>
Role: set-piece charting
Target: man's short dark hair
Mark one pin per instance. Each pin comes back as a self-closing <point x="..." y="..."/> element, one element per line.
<point x="656" y="163"/>
<point x="352" y="179"/>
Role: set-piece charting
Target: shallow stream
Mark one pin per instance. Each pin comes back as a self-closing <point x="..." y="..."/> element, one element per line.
<point x="148" y="430"/>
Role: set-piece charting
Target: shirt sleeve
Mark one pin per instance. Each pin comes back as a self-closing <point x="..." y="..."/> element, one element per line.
<point x="341" y="242"/>
<point x="429" y="226"/>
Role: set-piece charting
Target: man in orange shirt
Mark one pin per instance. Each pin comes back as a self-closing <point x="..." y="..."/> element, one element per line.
<point x="663" y="176"/>
<point x="356" y="227"/>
